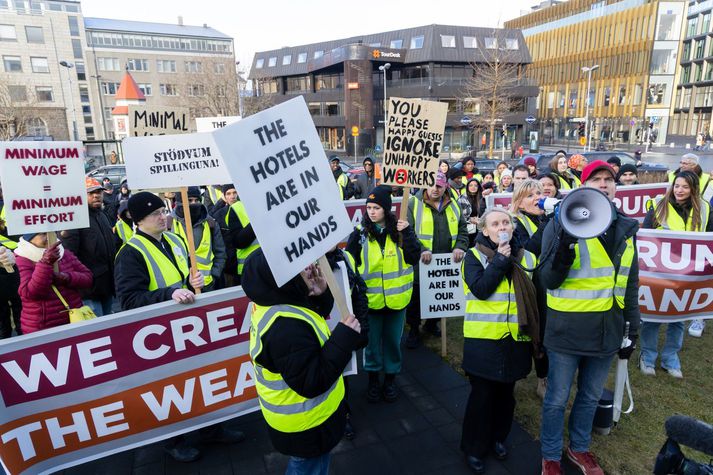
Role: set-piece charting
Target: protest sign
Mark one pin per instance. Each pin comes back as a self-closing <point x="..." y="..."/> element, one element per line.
<point x="206" y="124"/>
<point x="441" y="288"/>
<point x="357" y="208"/>
<point x="43" y="186"/>
<point x="675" y="275"/>
<point x="413" y="141"/>
<point x="287" y="186"/>
<point x="165" y="162"/>
<point x="75" y="393"/>
<point x="630" y="200"/>
<point x="145" y="120"/>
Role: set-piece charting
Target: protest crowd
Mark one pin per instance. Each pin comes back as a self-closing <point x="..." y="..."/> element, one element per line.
<point x="534" y="294"/>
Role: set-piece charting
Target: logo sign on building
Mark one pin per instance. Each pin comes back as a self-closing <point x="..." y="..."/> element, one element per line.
<point x="465" y="120"/>
<point x="530" y="119"/>
<point x="43" y="186"/>
<point x="158" y="121"/>
<point x="206" y="124"/>
<point x="286" y="184"/>
<point x="441" y="288"/>
<point x="414" y="136"/>
<point x="387" y="54"/>
<point x="172" y="162"/>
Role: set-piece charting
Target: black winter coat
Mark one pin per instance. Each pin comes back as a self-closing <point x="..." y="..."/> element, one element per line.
<point x="504" y="360"/>
<point x="95" y="247"/>
<point x="291" y="348"/>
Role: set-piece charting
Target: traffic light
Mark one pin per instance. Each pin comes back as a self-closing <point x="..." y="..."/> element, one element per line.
<point x="581" y="129"/>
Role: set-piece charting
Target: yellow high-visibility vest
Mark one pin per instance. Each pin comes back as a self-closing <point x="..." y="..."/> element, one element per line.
<point x="423" y="222"/>
<point x="123" y="230"/>
<point x="162" y="272"/>
<point x="673" y="219"/>
<point x="703" y="181"/>
<point x="204" y="251"/>
<point x="242" y="254"/>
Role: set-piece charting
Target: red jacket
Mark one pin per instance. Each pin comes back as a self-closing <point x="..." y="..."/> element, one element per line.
<point x="41" y="308"/>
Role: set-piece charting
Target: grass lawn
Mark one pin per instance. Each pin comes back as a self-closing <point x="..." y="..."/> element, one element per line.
<point x="632" y="446"/>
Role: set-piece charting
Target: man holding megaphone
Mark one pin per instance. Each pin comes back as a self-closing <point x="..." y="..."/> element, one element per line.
<point x="591" y="275"/>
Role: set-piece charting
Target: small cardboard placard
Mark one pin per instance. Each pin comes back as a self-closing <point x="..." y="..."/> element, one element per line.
<point x="441" y="288"/>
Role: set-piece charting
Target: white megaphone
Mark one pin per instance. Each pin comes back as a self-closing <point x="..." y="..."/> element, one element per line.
<point x="584" y="212"/>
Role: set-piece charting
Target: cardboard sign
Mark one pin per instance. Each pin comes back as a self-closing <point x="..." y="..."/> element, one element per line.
<point x="630" y="200"/>
<point x="206" y="124"/>
<point x="79" y="392"/>
<point x="675" y="275"/>
<point x="441" y="287"/>
<point x="287" y="186"/>
<point x="43" y="186"/>
<point x="173" y="162"/>
<point x="413" y="141"/>
<point x="158" y="121"/>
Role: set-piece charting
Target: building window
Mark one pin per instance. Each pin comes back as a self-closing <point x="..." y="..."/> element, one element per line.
<point x="663" y="61"/>
<point x="299" y="84"/>
<point x="108" y="64"/>
<point x="448" y="41"/>
<point x="109" y="88"/>
<point x="328" y="81"/>
<point x="417" y="42"/>
<point x="13" y="64"/>
<point x="71" y="8"/>
<point x="706" y="23"/>
<point x="318" y="54"/>
<point x="691" y="30"/>
<point x="166" y="66"/>
<point x="302" y="58"/>
<point x="469" y="42"/>
<point x="146" y="88"/>
<point x="39" y="65"/>
<point x="17" y="93"/>
<point x="221" y="91"/>
<point x="622" y="95"/>
<point x="491" y="43"/>
<point x="36" y="127"/>
<point x="699" y="48"/>
<point x="272" y="62"/>
<point x="196" y="90"/>
<point x="511" y="43"/>
<point x="137" y="65"/>
<point x="81" y="70"/>
<point x="396" y="44"/>
<point x="73" y="26"/>
<point x="84" y="94"/>
<point x="286" y="59"/>
<point x="168" y="89"/>
<point x="686" y="54"/>
<point x="686" y="74"/>
<point x="219" y="68"/>
<point x="259" y="63"/>
<point x="34" y="34"/>
<point x="193" y="67"/>
<point x="8" y="33"/>
<point x="44" y="94"/>
<point x="77" y="48"/>
<point x="656" y="93"/>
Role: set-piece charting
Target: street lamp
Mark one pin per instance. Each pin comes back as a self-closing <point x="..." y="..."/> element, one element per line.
<point x="588" y="70"/>
<point x="240" y="88"/>
<point x="98" y="77"/>
<point x="69" y="66"/>
<point x="383" y="69"/>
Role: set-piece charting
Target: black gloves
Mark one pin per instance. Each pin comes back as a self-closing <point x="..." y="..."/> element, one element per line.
<point x="625" y="353"/>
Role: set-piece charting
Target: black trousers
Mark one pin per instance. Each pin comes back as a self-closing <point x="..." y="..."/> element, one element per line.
<point x="488" y="415"/>
<point x="10" y="304"/>
<point x="413" y="311"/>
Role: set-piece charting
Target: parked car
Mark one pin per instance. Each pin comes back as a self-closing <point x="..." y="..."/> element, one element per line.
<point x="115" y="173"/>
<point x="351" y="170"/>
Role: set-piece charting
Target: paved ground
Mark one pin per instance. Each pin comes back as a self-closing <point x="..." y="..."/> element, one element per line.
<point x="418" y="434"/>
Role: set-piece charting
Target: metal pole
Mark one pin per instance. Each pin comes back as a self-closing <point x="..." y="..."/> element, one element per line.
<point x="386" y="107"/>
<point x="71" y="98"/>
<point x="586" y="114"/>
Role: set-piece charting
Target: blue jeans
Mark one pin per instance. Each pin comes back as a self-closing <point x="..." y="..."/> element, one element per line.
<point x="649" y="337"/>
<point x="593" y="371"/>
<point x="311" y="466"/>
<point x="100" y="307"/>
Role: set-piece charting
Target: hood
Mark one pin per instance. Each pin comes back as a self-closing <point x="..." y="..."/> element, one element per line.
<point x="123" y="209"/>
<point x="260" y="287"/>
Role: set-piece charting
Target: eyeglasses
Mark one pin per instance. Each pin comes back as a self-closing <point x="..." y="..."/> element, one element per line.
<point x="685" y="162"/>
<point x="158" y="212"/>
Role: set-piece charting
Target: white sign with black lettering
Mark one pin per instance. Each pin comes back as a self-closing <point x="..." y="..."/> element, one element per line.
<point x="441" y="288"/>
<point x="206" y="124"/>
<point x="286" y="185"/>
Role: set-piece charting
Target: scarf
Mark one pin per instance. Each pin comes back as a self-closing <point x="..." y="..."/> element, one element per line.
<point x="30" y="251"/>
<point x="528" y="316"/>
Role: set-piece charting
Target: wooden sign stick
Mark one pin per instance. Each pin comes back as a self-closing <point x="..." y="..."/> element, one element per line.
<point x="334" y="287"/>
<point x="444" y="339"/>
<point x="189" y="233"/>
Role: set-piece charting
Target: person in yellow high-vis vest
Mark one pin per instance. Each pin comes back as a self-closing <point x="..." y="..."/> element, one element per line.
<point x="346" y="187"/>
<point x="10" y="303"/>
<point x="592" y="294"/>
<point x="681" y="209"/>
<point x="244" y="238"/>
<point x="208" y="240"/>
<point x="298" y="363"/>
<point x="124" y="227"/>
<point x="691" y="162"/>
<point x="558" y="167"/>
<point x="384" y="251"/>
<point x="152" y="267"/>
<point x="500" y="315"/>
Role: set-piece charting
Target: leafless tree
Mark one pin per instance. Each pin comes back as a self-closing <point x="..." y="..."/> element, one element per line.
<point x="16" y="111"/>
<point x="496" y="76"/>
<point x="261" y="98"/>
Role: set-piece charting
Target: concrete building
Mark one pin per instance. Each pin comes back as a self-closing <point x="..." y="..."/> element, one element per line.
<point x="39" y="97"/>
<point x="342" y="81"/>
<point x="173" y="65"/>
<point x="635" y="46"/>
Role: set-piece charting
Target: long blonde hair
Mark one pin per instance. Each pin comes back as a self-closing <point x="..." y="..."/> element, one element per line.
<point x="661" y="213"/>
<point x="521" y="192"/>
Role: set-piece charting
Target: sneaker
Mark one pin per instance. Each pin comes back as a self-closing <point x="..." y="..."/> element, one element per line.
<point x="696" y="328"/>
<point x="676" y="373"/>
<point x="541" y="388"/>
<point x="646" y="369"/>
<point x="585" y="462"/>
<point x="551" y="467"/>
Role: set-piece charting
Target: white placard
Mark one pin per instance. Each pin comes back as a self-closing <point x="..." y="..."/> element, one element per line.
<point x="145" y="120"/>
<point x="206" y="124"/>
<point x="173" y="161"/>
<point x="286" y="184"/>
<point x="43" y="186"/>
<point x="441" y="288"/>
